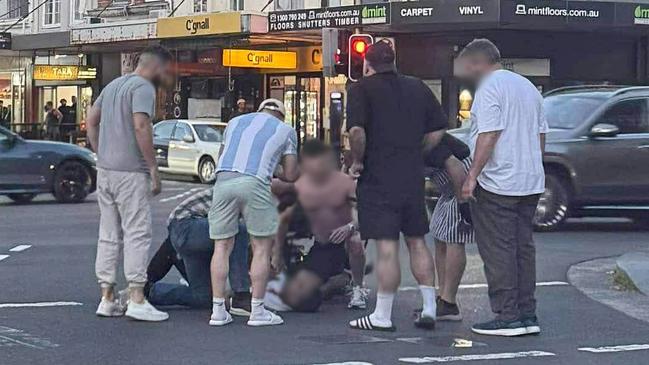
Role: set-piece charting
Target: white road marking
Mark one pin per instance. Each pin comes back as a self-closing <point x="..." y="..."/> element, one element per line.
<point x="480" y="286"/>
<point x="347" y="363"/>
<point x="39" y="304"/>
<point x="20" y="248"/>
<point x="182" y="195"/>
<point x="500" y="356"/>
<point x="605" y="349"/>
<point x="2" y="257"/>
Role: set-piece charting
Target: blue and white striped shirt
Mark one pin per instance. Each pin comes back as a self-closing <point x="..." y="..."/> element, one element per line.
<point x="255" y="144"/>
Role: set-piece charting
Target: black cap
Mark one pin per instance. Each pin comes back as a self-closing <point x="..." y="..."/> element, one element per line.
<point x="381" y="56"/>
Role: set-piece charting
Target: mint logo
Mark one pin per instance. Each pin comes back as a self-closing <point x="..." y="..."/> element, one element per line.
<point x="641" y="15"/>
<point x="374" y="14"/>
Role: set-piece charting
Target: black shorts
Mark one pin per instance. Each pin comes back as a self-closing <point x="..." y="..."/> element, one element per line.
<point x="326" y="260"/>
<point x="384" y="216"/>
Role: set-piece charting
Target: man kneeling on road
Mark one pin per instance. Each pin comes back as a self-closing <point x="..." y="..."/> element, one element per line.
<point x="189" y="236"/>
<point x="255" y="144"/>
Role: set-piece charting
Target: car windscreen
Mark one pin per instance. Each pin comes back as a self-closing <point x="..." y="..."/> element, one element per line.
<point x="209" y="133"/>
<point x="568" y="111"/>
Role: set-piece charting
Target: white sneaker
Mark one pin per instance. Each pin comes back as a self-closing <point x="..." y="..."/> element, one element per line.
<point x="145" y="312"/>
<point x="109" y="308"/>
<point x="358" y="299"/>
<point x="215" y="321"/>
<point x="267" y="319"/>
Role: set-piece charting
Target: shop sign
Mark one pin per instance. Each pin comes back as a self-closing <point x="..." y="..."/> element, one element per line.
<point x="64" y="73"/>
<point x="445" y="11"/>
<point x="207" y="24"/>
<point x="259" y="59"/>
<point x="116" y="32"/>
<point x="332" y="17"/>
<point x="5" y="40"/>
<point x="641" y="15"/>
<point x="557" y="12"/>
<point x="309" y="59"/>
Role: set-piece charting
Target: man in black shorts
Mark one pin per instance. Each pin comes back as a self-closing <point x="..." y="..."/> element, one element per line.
<point x="388" y="117"/>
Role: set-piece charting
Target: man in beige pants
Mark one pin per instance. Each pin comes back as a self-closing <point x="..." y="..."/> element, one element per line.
<point x="127" y="177"/>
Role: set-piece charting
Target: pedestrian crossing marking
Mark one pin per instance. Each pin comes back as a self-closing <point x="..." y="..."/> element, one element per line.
<point x="606" y="349"/>
<point x="20" y="248"/>
<point x="497" y="356"/>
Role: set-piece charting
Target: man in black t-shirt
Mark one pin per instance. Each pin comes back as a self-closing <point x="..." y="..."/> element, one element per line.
<point x="389" y="115"/>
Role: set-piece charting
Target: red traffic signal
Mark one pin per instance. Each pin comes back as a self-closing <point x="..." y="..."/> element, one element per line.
<point x="358" y="45"/>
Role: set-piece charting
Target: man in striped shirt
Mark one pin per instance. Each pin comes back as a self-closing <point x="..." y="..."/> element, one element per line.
<point x="189" y="236"/>
<point x="255" y="145"/>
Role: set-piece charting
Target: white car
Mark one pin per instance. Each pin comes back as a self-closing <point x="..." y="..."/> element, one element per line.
<point x="189" y="147"/>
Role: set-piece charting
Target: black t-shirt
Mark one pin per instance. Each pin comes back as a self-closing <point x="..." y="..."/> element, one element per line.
<point x="396" y="112"/>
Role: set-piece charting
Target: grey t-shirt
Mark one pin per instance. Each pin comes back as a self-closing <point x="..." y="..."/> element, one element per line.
<point x="118" y="149"/>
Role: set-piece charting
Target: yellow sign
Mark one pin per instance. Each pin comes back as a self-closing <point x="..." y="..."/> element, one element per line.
<point x="309" y="59"/>
<point x="64" y="73"/>
<point x="207" y="24"/>
<point x="259" y="59"/>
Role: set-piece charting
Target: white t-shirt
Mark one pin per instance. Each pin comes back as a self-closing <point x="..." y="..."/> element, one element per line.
<point x="508" y="102"/>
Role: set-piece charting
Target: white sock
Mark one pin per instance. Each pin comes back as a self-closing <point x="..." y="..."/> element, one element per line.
<point x="428" y="296"/>
<point x="218" y="308"/>
<point x="257" y="306"/>
<point x="383" y="311"/>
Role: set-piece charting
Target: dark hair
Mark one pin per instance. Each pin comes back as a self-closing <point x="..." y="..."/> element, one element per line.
<point x="381" y="56"/>
<point x="315" y="148"/>
<point x="63" y="100"/>
<point x="310" y="303"/>
<point x="161" y="53"/>
<point x="482" y="47"/>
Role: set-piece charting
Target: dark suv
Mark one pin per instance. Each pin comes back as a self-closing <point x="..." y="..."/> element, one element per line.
<point x="597" y="153"/>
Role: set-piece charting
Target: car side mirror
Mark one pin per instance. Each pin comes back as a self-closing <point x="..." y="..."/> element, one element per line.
<point x="188" y="139"/>
<point x="10" y="141"/>
<point x="604" y="130"/>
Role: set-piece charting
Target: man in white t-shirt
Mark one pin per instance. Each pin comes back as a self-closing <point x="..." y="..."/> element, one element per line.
<point x="504" y="183"/>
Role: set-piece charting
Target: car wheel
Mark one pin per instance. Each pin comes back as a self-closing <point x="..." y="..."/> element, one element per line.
<point x="554" y="204"/>
<point x="72" y="182"/>
<point x="207" y="170"/>
<point x="22" y="198"/>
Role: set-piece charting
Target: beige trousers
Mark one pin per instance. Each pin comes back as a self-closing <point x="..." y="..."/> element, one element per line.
<point x="124" y="225"/>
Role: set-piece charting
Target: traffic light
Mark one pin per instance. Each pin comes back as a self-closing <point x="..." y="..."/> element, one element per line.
<point x="358" y="45"/>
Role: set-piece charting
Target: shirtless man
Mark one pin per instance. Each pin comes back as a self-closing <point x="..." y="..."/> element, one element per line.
<point x="328" y="197"/>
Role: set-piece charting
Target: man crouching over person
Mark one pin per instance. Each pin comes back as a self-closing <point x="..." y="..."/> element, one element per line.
<point x="255" y="144"/>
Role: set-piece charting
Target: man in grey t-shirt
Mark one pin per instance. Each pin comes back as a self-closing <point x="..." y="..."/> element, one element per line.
<point x="505" y="181"/>
<point x="120" y="131"/>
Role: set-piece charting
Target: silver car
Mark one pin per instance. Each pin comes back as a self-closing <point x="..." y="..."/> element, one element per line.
<point x="189" y="147"/>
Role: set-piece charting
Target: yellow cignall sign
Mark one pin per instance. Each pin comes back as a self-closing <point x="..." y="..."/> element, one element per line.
<point x="207" y="24"/>
<point x="64" y="73"/>
<point x="259" y="59"/>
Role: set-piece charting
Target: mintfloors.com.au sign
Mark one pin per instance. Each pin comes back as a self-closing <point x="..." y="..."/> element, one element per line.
<point x="334" y="17"/>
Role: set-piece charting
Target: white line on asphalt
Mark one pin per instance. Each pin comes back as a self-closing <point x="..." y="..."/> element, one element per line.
<point x="2" y="257"/>
<point x="179" y="196"/>
<point x="604" y="349"/>
<point x="500" y="356"/>
<point x="20" y="342"/>
<point x="39" y="304"/>
<point x="20" y="248"/>
<point x="479" y="286"/>
<point x="347" y="363"/>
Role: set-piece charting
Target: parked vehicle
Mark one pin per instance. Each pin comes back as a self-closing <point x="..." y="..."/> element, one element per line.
<point x="597" y="153"/>
<point x="189" y="147"/>
<point x="29" y="168"/>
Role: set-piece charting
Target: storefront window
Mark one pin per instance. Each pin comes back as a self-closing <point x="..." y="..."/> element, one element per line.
<point x="52" y="14"/>
<point x="464" y="112"/>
